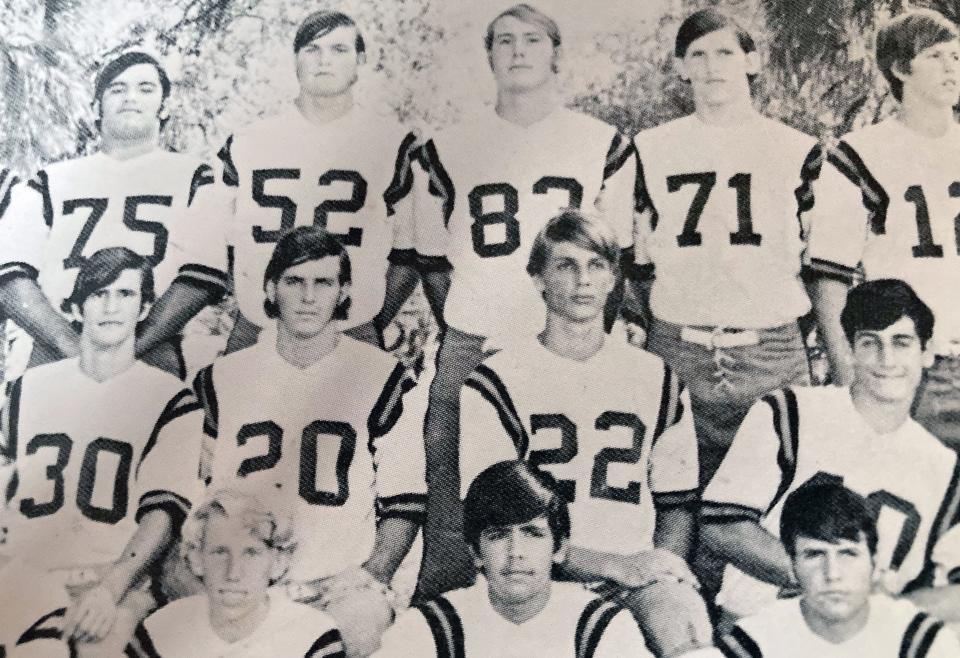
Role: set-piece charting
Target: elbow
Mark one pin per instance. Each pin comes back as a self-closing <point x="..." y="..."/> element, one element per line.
<point x="715" y="536"/>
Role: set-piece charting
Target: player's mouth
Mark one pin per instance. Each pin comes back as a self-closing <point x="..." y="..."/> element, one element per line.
<point x="232" y="596"/>
<point x="584" y="299"/>
<point x="520" y="67"/>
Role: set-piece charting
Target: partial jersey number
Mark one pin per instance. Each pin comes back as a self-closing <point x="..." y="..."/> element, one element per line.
<point x="288" y="207"/>
<point x="310" y="439"/>
<point x="31" y="508"/>
<point x="705" y="182"/>
<point x="508" y="216"/>
<point x="131" y="209"/>
<point x="569" y="446"/>
<point x="926" y="247"/>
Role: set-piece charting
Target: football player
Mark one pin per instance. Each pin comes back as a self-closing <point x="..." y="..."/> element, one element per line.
<point x="131" y="193"/>
<point x="862" y="436"/>
<point x="610" y="422"/>
<point x="238" y="547"/>
<point x="331" y="162"/>
<point x="830" y="534"/>
<point x="887" y="200"/>
<point x="517" y="526"/>
<point x="718" y="248"/>
<point x="331" y="426"/>
<point x="494" y="180"/>
<point x="70" y="510"/>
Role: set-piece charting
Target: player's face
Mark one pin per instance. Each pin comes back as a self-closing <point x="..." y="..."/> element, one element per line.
<point x="236" y="567"/>
<point x="110" y="314"/>
<point x="131" y="104"/>
<point x="327" y="66"/>
<point x="888" y="363"/>
<point x="522" y="55"/>
<point x="717" y="68"/>
<point x="575" y="282"/>
<point x="517" y="560"/>
<point x="935" y="75"/>
<point x="307" y="295"/>
<point x="835" y="578"/>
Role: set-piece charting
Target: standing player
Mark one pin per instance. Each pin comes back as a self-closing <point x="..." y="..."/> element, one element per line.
<point x="493" y="182"/>
<point x="328" y="424"/>
<point x="133" y="194"/>
<point x="887" y="199"/>
<point x="830" y="534"/>
<point x="517" y="526"/>
<point x="238" y="548"/>
<point x="862" y="436"/>
<point x="330" y="162"/>
<point x="719" y="244"/>
<point x="610" y="422"/>
<point x="69" y="508"/>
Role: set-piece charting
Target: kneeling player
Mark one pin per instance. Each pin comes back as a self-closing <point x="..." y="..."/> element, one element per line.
<point x="75" y="463"/>
<point x="830" y="534"/>
<point x="609" y="421"/>
<point x="327" y="423"/>
<point x="238" y="548"/>
<point x="517" y="525"/>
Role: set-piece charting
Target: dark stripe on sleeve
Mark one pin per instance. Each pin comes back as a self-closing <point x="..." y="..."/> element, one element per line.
<point x="489" y="385"/>
<point x="17" y="270"/>
<point x="41" y="184"/>
<point x="48" y="627"/>
<point x="621" y="149"/>
<point x="809" y="172"/>
<point x="230" y="175"/>
<point x="207" y="395"/>
<point x="9" y="180"/>
<point x="11" y="417"/>
<point x="671" y="409"/>
<point x="141" y="644"/>
<point x="426" y="264"/>
<point x="919" y="636"/>
<point x="786" y="423"/>
<point x="389" y="406"/>
<point x="202" y="176"/>
<point x="328" y="645"/>
<point x="208" y="278"/>
<point x="827" y="269"/>
<point x="181" y="404"/>
<point x="412" y="507"/>
<point x="402" y="181"/>
<point x="177" y="508"/>
<point x="446" y="627"/>
<point x="739" y="645"/>
<point x="714" y="512"/>
<point x="407" y="257"/>
<point x="594" y="619"/>
<point x="875" y="199"/>
<point x="441" y="186"/>
<point x="641" y="195"/>
<point x="947" y="517"/>
<point x="639" y="272"/>
<point x="675" y="498"/>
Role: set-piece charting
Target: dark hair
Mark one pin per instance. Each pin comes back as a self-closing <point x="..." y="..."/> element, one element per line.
<point x="904" y="37"/>
<point x="575" y="227"/>
<point x="512" y="492"/>
<point x="875" y="305"/>
<point x="526" y="14"/>
<point x="320" y="23"/>
<point x="103" y="268"/>
<point x="300" y="245"/>
<point x="703" y="22"/>
<point x="829" y="512"/>
<point x="109" y="72"/>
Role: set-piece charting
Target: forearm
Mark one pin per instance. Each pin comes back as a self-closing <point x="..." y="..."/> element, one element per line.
<point x="751" y="549"/>
<point x="829" y="297"/>
<point x="636" y="307"/>
<point x="941" y="602"/>
<point x="674" y="530"/>
<point x="392" y="543"/>
<point x="171" y="313"/>
<point x="586" y="565"/>
<point x="436" y="285"/>
<point x="152" y="537"/>
<point x="22" y="301"/>
<point x="401" y="282"/>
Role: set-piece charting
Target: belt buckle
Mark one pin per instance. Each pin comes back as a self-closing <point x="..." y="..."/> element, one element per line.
<point x="715" y="337"/>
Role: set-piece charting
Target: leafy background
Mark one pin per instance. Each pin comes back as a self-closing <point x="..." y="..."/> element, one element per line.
<point x="231" y="61"/>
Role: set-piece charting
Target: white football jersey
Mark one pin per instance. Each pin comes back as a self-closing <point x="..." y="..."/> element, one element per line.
<point x="463" y="623"/>
<point x="492" y="186"/>
<point x="351" y="175"/>
<point x="77" y="444"/>
<point x="719" y="228"/>
<point x="615" y="431"/>
<point x="796" y="435"/>
<point x="33" y="613"/>
<point x="161" y="205"/>
<point x="341" y="442"/>
<point x="182" y="629"/>
<point x="894" y="629"/>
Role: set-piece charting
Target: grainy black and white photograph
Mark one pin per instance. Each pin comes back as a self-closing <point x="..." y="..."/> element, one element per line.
<point x="451" y="329"/>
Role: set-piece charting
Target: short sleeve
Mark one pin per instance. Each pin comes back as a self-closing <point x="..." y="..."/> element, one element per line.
<point x="409" y="636"/>
<point x="615" y="201"/>
<point x="834" y="212"/>
<point x="622" y="637"/>
<point x="203" y="237"/>
<point x="24" y="228"/>
<point x="945" y="644"/>
<point x="674" y="464"/>
<point x="399" y="198"/>
<point x="491" y="430"/>
<point x="747" y="480"/>
<point x="396" y="429"/>
<point x="434" y="201"/>
<point x="644" y="222"/>
<point x="946" y="558"/>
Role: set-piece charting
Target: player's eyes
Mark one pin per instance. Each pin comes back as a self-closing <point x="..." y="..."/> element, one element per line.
<point x="340" y="49"/>
<point x="504" y="40"/>
<point x="493" y="534"/>
<point x="598" y="265"/>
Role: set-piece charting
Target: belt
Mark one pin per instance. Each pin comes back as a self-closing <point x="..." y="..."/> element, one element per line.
<point x="720" y="337"/>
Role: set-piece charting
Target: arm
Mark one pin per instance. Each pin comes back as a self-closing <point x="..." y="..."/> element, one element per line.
<point x="402" y="279"/>
<point x="941" y="602"/>
<point x="22" y="301"/>
<point x="630" y="571"/>
<point x="436" y="285"/>
<point x="393" y="541"/>
<point x="171" y="313"/>
<point x="829" y="296"/>
<point x="751" y="549"/>
<point x="674" y="530"/>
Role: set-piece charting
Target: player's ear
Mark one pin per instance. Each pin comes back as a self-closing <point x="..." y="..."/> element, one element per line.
<point x="281" y="564"/>
<point x="753" y="63"/>
<point x="560" y="555"/>
<point x="539" y="284"/>
<point x="555" y="62"/>
<point x="682" y="69"/>
<point x="270" y="288"/>
<point x="477" y="562"/>
<point x="928" y="356"/>
<point x="74" y="314"/>
<point x="900" y="70"/>
<point x="194" y="561"/>
<point x="362" y="58"/>
<point x="144" y="311"/>
<point x="344" y="294"/>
